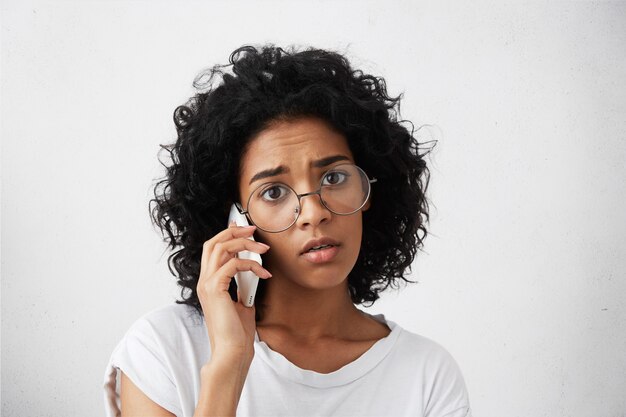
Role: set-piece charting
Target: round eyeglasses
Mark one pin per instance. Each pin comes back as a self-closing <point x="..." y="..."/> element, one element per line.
<point x="275" y="207"/>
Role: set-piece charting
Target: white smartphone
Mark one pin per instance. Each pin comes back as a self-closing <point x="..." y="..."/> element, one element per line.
<point x="247" y="281"/>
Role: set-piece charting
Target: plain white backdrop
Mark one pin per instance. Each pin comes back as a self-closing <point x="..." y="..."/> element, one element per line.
<point x="522" y="278"/>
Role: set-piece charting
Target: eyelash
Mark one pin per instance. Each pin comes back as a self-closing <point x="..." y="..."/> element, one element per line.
<point x="274" y="186"/>
<point x="337" y="172"/>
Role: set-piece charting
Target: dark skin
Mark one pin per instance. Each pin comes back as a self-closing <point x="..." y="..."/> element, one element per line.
<point x="308" y="310"/>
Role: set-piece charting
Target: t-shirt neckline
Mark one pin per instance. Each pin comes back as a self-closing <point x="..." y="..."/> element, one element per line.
<point x="344" y="375"/>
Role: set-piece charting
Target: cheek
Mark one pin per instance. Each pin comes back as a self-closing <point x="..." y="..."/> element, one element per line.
<point x="274" y="243"/>
<point x="271" y="239"/>
<point x="356" y="234"/>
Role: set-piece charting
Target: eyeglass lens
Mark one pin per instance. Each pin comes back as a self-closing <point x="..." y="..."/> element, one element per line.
<point x="274" y="207"/>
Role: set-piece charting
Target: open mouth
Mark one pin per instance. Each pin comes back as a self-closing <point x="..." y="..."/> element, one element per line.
<point x="318" y="248"/>
<point x="321" y="254"/>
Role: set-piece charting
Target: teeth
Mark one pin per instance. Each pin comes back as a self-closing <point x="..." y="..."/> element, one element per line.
<point x="319" y="247"/>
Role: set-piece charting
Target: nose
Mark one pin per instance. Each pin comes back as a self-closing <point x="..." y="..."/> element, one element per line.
<point x="312" y="211"/>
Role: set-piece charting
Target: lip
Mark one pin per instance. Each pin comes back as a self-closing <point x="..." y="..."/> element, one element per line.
<point x="322" y="255"/>
<point x="324" y="240"/>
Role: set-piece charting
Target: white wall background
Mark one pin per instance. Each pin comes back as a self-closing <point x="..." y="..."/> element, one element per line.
<point x="523" y="277"/>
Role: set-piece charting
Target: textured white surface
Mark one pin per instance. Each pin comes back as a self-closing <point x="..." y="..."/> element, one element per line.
<point x="523" y="280"/>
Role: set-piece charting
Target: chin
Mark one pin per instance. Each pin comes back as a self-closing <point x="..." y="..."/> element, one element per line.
<point x="317" y="277"/>
<point x="322" y="285"/>
<point x="322" y="277"/>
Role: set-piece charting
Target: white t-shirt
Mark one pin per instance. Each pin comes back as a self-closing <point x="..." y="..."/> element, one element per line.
<point x="403" y="374"/>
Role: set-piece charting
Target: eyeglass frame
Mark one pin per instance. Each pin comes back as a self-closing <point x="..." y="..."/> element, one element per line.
<point x="299" y="196"/>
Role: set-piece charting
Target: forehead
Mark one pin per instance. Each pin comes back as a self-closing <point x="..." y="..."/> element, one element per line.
<point x="293" y="144"/>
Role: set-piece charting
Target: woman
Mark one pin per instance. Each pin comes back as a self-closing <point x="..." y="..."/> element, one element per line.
<point x="334" y="188"/>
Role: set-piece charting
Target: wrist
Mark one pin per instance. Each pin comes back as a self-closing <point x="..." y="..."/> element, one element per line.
<point x="232" y="354"/>
<point x="228" y="360"/>
<point x="221" y="383"/>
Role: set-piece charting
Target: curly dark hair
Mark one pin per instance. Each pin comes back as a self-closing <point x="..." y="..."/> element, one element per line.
<point x="269" y="84"/>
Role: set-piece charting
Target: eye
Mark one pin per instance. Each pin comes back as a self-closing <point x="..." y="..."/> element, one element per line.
<point x="273" y="193"/>
<point x="335" y="178"/>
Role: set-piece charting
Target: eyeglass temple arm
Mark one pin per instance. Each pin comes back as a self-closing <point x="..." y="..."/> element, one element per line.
<point x="240" y="209"/>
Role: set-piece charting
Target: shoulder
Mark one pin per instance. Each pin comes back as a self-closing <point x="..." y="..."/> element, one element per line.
<point x="178" y="313"/>
<point x="167" y="329"/>
<point x="412" y="346"/>
<point x="439" y="375"/>
<point x="422" y="348"/>
<point x="157" y="354"/>
<point x="168" y="319"/>
<point x="419" y="353"/>
<point x="426" y="354"/>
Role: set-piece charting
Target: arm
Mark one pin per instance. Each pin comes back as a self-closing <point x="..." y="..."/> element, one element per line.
<point x="135" y="403"/>
<point x="222" y="380"/>
<point x="230" y="325"/>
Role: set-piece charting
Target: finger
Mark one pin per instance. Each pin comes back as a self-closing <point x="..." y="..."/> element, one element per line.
<point x="227" y="234"/>
<point x="235" y="231"/>
<point x="223" y="251"/>
<point x="217" y="283"/>
<point x="230" y="268"/>
<point x="231" y="232"/>
<point x="238" y="265"/>
<point x="229" y="249"/>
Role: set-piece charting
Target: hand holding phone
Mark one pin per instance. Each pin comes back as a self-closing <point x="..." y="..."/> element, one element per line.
<point x="247" y="281"/>
<point x="231" y="326"/>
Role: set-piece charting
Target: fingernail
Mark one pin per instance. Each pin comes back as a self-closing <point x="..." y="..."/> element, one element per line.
<point x="267" y="273"/>
<point x="250" y="227"/>
<point x="267" y="246"/>
<point x="232" y="223"/>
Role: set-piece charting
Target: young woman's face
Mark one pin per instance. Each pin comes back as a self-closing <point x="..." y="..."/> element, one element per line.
<point x="296" y="146"/>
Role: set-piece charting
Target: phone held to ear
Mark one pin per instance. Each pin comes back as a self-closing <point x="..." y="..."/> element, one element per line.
<point x="246" y="281"/>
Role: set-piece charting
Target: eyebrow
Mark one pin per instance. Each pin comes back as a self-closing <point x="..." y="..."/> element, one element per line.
<point x="282" y="169"/>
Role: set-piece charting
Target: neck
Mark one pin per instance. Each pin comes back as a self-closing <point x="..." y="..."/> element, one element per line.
<point x="308" y="314"/>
